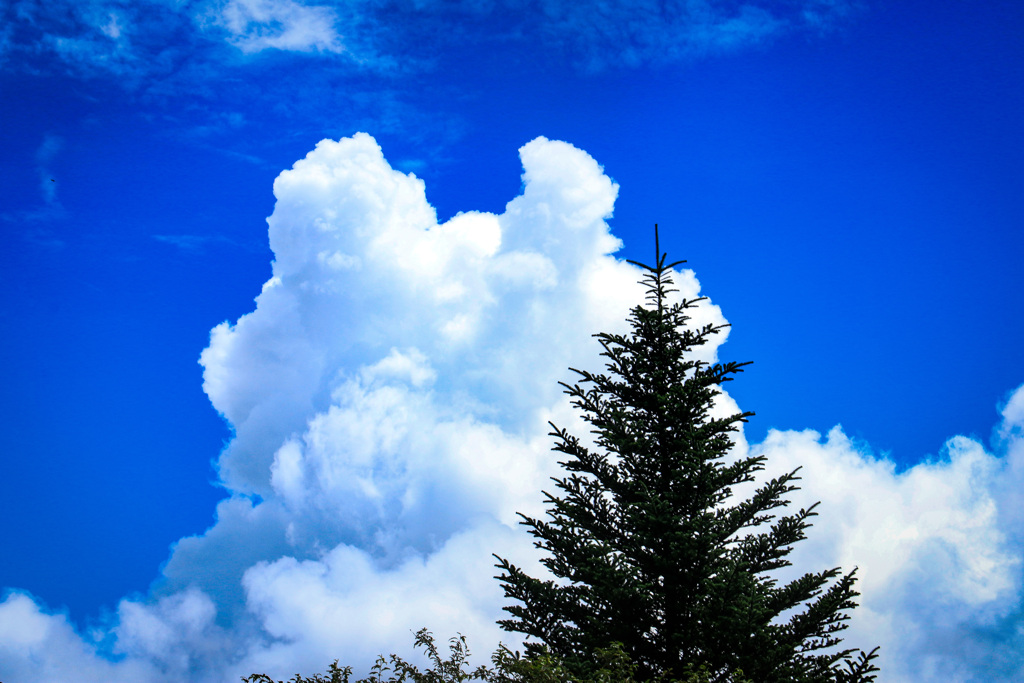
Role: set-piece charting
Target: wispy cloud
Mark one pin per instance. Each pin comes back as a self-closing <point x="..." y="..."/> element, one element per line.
<point x="389" y="395"/>
<point x="42" y="237"/>
<point x="155" y="40"/>
<point x="6" y="32"/>
<point x="44" y="155"/>
<point x="192" y="243"/>
<point x="29" y="220"/>
<point x="306" y="62"/>
<point x="603" y="35"/>
<point x="255" y="25"/>
<point x="152" y="39"/>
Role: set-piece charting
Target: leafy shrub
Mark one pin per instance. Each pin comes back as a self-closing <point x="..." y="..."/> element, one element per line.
<point x="616" y="667"/>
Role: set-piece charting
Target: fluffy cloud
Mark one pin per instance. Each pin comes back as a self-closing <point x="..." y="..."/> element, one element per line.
<point x="389" y="396"/>
<point x="37" y="646"/>
<point x="935" y="562"/>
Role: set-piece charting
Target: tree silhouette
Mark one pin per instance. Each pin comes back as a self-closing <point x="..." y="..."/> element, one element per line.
<point x="658" y="555"/>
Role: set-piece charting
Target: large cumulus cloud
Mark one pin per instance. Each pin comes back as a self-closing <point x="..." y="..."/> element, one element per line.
<point x="389" y="396"/>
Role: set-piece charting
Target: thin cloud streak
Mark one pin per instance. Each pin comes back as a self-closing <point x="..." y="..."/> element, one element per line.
<point x="49" y="148"/>
<point x="28" y="220"/>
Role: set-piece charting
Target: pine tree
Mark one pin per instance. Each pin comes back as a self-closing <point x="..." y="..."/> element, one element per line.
<point x="658" y="555"/>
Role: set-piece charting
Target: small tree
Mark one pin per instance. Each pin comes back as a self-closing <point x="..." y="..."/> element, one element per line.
<point x="450" y="671"/>
<point x="613" y="666"/>
<point x="650" y="539"/>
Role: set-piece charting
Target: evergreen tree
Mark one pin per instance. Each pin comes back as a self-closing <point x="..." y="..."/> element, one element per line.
<point x="658" y="555"/>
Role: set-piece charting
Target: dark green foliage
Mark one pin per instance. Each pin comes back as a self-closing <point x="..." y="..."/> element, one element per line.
<point x="612" y="665"/>
<point x="658" y="556"/>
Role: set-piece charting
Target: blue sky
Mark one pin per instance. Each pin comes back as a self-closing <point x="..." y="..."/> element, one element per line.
<point x="844" y="180"/>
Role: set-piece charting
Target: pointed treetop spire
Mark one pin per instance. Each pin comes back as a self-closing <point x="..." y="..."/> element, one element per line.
<point x="656" y="279"/>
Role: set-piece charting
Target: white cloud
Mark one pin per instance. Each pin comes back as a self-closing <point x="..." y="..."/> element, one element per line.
<point x="389" y="396"/>
<point x="256" y="25"/>
<point x="39" y="647"/>
<point x="391" y="390"/>
<point x="95" y="37"/>
<point x="1013" y="413"/>
<point x="176" y="633"/>
<point x="113" y="28"/>
<point x="166" y="44"/>
<point x="343" y="605"/>
<point x="163" y="45"/>
<point x="938" y="548"/>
